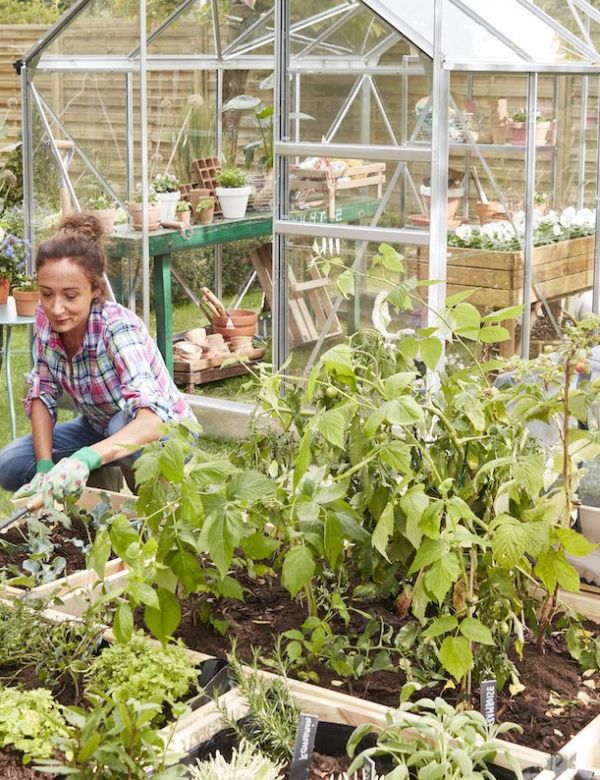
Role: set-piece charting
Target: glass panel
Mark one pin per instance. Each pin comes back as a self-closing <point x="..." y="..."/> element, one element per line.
<point x="318" y="270"/>
<point x="192" y="32"/>
<point x="100" y="28"/>
<point x="355" y="32"/>
<point x="243" y="27"/>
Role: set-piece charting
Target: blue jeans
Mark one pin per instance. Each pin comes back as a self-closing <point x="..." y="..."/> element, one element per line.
<point x="18" y="462"/>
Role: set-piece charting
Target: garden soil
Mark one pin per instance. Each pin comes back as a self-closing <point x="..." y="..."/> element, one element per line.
<point x="554" y="706"/>
<point x="11" y="767"/>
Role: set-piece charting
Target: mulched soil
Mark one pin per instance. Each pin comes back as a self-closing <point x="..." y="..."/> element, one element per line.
<point x="61" y="538"/>
<point x="11" y="767"/>
<point x="554" y="706"/>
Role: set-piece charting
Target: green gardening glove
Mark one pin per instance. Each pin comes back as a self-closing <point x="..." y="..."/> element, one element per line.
<point x="35" y="486"/>
<point x="69" y="476"/>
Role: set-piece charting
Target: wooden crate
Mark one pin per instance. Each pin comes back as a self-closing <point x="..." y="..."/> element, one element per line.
<point x="190" y="374"/>
<point x="328" y="182"/>
<point x="203" y="172"/>
<point x="559" y="270"/>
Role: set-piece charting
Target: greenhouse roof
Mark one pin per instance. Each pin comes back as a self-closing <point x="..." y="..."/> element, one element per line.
<point x="519" y="35"/>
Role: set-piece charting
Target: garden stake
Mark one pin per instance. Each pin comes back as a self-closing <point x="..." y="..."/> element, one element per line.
<point x="36" y="502"/>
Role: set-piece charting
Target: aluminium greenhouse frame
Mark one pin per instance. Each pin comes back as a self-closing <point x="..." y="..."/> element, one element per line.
<point x="238" y="55"/>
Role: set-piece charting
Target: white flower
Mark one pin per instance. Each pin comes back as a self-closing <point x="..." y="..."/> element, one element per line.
<point x="464" y="232"/>
<point x="556" y="230"/>
<point x="567" y="217"/>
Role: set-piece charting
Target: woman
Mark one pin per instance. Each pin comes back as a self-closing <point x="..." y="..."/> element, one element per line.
<point x="100" y="354"/>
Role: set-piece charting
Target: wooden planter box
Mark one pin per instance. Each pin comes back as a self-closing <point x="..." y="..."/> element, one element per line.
<point x="559" y="269"/>
<point x="79" y="583"/>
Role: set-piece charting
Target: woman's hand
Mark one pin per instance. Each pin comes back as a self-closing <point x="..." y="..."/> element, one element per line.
<point x="33" y="488"/>
<point x="67" y="478"/>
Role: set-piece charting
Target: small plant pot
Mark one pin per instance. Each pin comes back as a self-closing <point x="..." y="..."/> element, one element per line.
<point x="26" y="301"/>
<point x="455" y="197"/>
<point x="196" y="196"/>
<point x="106" y="217"/>
<point x="206" y="215"/>
<point x="233" y="200"/>
<point x="239" y="317"/>
<point x="167" y="203"/>
<point x="4" y="290"/>
<point x="184" y="217"/>
<point x="518" y="133"/>
<point x="135" y="212"/>
<point x="490" y="212"/>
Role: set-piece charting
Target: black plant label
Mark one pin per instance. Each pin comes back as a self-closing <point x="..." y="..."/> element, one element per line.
<point x="305" y="742"/>
<point x="488" y="697"/>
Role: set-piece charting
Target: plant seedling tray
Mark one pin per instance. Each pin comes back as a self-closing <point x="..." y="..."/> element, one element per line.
<point x="203" y="172"/>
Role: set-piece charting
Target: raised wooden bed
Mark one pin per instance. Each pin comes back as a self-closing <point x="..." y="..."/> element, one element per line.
<point x="70" y="586"/>
<point x="559" y="269"/>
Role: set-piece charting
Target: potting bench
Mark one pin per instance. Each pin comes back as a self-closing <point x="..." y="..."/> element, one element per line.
<point x="163" y="243"/>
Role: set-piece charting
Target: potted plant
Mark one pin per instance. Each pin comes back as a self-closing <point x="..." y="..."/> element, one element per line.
<point x="135" y="207"/>
<point x="12" y="255"/>
<point x="518" y="127"/>
<point x="205" y="210"/>
<point x="104" y="208"/>
<point x="183" y="212"/>
<point x="166" y="187"/>
<point x="26" y="295"/>
<point x="233" y="192"/>
<point x="540" y="203"/>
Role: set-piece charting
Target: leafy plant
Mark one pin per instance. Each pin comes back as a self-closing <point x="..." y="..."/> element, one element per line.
<point x="137" y="196"/>
<point x="440" y="742"/>
<point x="101" y="202"/>
<point x="114" y="739"/>
<point x="231" y="178"/>
<point x="31" y="722"/>
<point x="165" y="182"/>
<point x="205" y="203"/>
<point x="247" y="763"/>
<point x="13" y="255"/>
<point x="182" y="206"/>
<point x="139" y="670"/>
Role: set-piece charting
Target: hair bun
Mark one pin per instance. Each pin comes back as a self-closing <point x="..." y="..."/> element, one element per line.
<point x="84" y="225"/>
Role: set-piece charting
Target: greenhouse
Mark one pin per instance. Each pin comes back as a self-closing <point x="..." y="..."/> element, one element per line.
<point x="355" y="240"/>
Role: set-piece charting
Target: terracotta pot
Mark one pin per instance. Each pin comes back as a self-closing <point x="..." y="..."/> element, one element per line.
<point x="184" y="217"/>
<point x="239" y="317"/>
<point x="4" y="290"/>
<point x="26" y="301"/>
<point x="197" y="195"/>
<point x="455" y="198"/>
<point x="241" y="330"/>
<point x="106" y="217"/>
<point x="490" y="212"/>
<point x="206" y="216"/>
<point x="518" y="133"/>
<point x="135" y="212"/>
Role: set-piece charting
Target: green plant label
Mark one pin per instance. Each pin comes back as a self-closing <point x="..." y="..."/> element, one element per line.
<point x="488" y="701"/>
<point x="305" y="742"/>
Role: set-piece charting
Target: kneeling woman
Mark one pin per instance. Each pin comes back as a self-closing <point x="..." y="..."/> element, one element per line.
<point x="101" y="355"/>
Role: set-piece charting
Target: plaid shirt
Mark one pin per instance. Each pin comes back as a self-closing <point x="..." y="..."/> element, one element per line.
<point x="117" y="369"/>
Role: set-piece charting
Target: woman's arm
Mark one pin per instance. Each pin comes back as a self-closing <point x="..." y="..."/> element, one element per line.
<point x="144" y="428"/>
<point x="41" y="430"/>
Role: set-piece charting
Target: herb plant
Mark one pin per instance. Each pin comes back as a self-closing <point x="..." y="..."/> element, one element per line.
<point x="142" y="671"/>
<point x="440" y="742"/>
<point x="165" y="182"/>
<point x="101" y="202"/>
<point x="247" y="763"/>
<point x="231" y="178"/>
<point x="31" y="722"/>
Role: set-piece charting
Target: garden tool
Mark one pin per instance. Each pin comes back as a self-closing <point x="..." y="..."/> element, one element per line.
<point x="66" y="149"/>
<point x="35" y="502"/>
<point x="480" y="191"/>
<point x="210" y="298"/>
<point x="184" y="230"/>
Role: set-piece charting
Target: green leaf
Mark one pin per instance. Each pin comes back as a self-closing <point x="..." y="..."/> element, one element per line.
<point x="508" y="313"/>
<point x="474" y="630"/>
<point x="142" y="593"/>
<point x="439" y="626"/>
<point x="100" y="553"/>
<point x="431" y="550"/>
<point x="258" y="546"/>
<point x="459" y="297"/>
<point x="383" y="530"/>
<point x="303" y="456"/>
<point x="431" y="519"/>
<point x="395" y="384"/>
<point x="553" y="568"/>
<point x="573" y="542"/>
<point x="187" y="568"/>
<point x="466" y="321"/>
<point x="397" y="456"/>
<point x="123" y="623"/>
<point x="373" y="421"/>
<point x="220" y="536"/>
<point x="430" y="351"/>
<point x="250" y="486"/>
<point x="333" y="541"/>
<point x="298" y="569"/>
<point x="338" y="361"/>
<point x="509" y="541"/>
<point x="414" y="503"/>
<point x="163" y="621"/>
<point x="403" y="410"/>
<point x="390" y="259"/>
<point x="441" y="576"/>
<point x="122" y="535"/>
<point x="331" y="425"/>
<point x="492" y="334"/>
<point x="172" y="460"/>
<point x="345" y="283"/>
<point x="455" y="656"/>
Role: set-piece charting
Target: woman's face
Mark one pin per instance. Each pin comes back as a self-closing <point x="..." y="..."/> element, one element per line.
<point x="66" y="294"/>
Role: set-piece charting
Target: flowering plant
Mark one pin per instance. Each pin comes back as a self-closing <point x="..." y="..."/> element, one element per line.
<point x="521" y="116"/>
<point x="13" y="254"/>
<point x="137" y="195"/>
<point x="548" y="229"/>
<point x="165" y="182"/>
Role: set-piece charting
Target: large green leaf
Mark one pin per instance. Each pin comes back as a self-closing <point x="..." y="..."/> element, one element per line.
<point x="493" y="334"/>
<point x="303" y="456"/>
<point x="122" y="535"/>
<point x="509" y="541"/>
<point x="123" y="623"/>
<point x="431" y="550"/>
<point x="298" y="569"/>
<point x="395" y="384"/>
<point x="442" y="575"/>
<point x="172" y="460"/>
<point x="332" y="425"/>
<point x="455" y="656"/>
<point x="333" y="541"/>
<point x="430" y="351"/>
<point x="414" y="503"/>
<point x="163" y="621"/>
<point x="439" y="626"/>
<point x="574" y="542"/>
<point x="553" y="569"/>
<point x="403" y="410"/>
<point x="100" y="553"/>
<point x="474" y="630"/>
<point x="220" y="535"/>
<point x="187" y="568"/>
<point x="250" y="486"/>
<point x="383" y="530"/>
<point x="338" y="361"/>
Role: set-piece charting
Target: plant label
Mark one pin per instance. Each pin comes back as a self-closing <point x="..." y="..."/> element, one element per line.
<point x="488" y="696"/>
<point x="305" y="742"/>
<point x="368" y="772"/>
